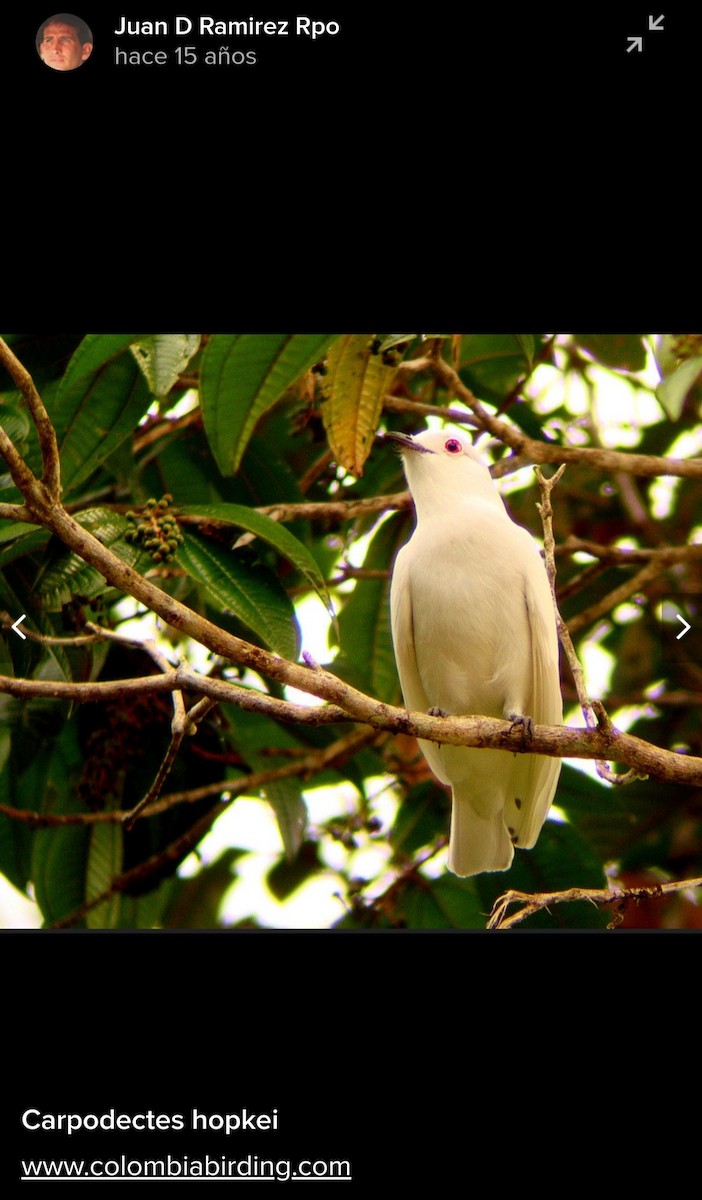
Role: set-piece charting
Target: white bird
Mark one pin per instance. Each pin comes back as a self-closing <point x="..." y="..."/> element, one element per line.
<point x="474" y="633"/>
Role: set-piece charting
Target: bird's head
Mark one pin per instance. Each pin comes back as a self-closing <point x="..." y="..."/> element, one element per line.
<point x="440" y="466"/>
<point x="446" y="444"/>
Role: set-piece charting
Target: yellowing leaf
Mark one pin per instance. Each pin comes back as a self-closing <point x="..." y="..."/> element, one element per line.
<point x="353" y="389"/>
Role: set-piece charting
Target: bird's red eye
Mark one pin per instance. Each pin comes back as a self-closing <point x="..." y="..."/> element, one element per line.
<point x="453" y="446"/>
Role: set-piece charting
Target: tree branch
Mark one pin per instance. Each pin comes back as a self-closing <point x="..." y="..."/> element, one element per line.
<point x="646" y="465"/>
<point x="348" y="704"/>
<point x="51" y="475"/>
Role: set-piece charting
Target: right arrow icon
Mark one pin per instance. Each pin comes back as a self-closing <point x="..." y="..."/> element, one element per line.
<point x="682" y="631"/>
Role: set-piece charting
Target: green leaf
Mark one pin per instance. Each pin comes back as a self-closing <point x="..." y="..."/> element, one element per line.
<point x="99" y="403"/>
<point x="6" y="668"/>
<point x="93" y="353"/>
<point x="58" y="866"/>
<point x="65" y="574"/>
<point x="364" y="622"/>
<point x="18" y="596"/>
<point x="244" y="375"/>
<point x="353" y="388"/>
<point x="615" y="820"/>
<point x="147" y="911"/>
<point x="274" y="534"/>
<point x="58" y="870"/>
<point x="561" y="859"/>
<point x="286" y="876"/>
<point x="492" y="364"/>
<point x="444" y="903"/>
<point x="195" y="903"/>
<point x="526" y="343"/>
<point x="423" y="815"/>
<point x="620" y="351"/>
<point x="15" y="421"/>
<point x="254" y="737"/>
<point x="17" y="790"/>
<point x="253" y="594"/>
<point x="104" y="864"/>
<point x="21" y="542"/>
<point x="163" y="356"/>
<point x="673" y="391"/>
<point x="286" y="799"/>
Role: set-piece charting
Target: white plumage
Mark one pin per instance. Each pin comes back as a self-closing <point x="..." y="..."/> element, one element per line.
<point x="474" y="632"/>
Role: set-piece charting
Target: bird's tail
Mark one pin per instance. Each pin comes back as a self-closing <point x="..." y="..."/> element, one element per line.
<point x="477" y="843"/>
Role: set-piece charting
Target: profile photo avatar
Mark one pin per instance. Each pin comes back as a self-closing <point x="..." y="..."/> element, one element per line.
<point x="64" y="42"/>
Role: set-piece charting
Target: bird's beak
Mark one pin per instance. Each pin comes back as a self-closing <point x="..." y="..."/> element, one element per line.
<point x="405" y="442"/>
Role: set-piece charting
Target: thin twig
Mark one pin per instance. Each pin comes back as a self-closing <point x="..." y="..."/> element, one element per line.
<point x="15" y="512"/>
<point x="333" y="510"/>
<point x="591" y="720"/>
<point x="79" y="639"/>
<point x="546" y="512"/>
<point x="456" y="415"/>
<point x="636" y="583"/>
<point x="625" y="555"/>
<point x="180" y="725"/>
<point x="533" y="902"/>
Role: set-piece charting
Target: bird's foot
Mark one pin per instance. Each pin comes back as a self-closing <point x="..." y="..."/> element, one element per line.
<point x="526" y="723"/>
<point x="435" y="711"/>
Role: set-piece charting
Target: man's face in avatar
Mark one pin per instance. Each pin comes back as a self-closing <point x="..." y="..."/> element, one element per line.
<point x="61" y="48"/>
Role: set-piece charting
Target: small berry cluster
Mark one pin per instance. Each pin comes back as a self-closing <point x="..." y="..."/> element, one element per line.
<point x="155" y="528"/>
<point x="123" y="735"/>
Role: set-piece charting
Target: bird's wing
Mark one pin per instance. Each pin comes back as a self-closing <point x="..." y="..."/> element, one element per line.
<point x="403" y="634"/>
<point x="402" y="624"/>
<point x="535" y="776"/>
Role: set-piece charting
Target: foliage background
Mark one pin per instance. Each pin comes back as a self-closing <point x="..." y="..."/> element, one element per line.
<point x="240" y="429"/>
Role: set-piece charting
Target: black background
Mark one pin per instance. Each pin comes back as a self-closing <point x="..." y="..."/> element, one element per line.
<point x="474" y="166"/>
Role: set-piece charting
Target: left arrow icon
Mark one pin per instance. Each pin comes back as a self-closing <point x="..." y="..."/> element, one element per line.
<point x="19" y="631"/>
